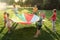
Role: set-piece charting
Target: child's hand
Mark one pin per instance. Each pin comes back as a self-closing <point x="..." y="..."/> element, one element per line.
<point x="17" y="22"/>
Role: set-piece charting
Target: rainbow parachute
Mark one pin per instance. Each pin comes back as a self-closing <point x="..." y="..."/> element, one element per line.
<point x="24" y="18"/>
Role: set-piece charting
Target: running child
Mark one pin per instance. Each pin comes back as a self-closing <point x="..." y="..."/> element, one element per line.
<point x="39" y="25"/>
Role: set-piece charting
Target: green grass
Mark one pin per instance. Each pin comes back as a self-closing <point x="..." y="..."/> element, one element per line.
<point x="26" y="32"/>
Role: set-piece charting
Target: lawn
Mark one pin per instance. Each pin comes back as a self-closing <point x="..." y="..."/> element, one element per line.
<point x="26" y="32"/>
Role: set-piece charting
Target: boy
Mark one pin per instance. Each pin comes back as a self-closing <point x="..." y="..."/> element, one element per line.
<point x="35" y="9"/>
<point x="53" y="18"/>
<point x="39" y="25"/>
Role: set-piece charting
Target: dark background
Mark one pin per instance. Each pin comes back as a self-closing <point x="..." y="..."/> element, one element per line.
<point x="42" y="4"/>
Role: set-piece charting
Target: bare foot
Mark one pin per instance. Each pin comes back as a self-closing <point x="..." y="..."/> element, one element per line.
<point x="36" y="36"/>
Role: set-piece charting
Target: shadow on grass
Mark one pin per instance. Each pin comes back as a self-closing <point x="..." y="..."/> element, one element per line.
<point x="2" y="29"/>
<point x="55" y="35"/>
<point x="20" y="34"/>
<point x="58" y="35"/>
<point x="27" y="33"/>
<point x="14" y="26"/>
<point x="8" y="34"/>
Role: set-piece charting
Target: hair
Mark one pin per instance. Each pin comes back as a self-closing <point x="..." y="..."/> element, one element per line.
<point x="35" y="5"/>
<point x="14" y="5"/>
<point x="54" y="10"/>
<point x="7" y="14"/>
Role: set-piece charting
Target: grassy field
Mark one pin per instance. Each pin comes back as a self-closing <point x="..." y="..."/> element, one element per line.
<point x="26" y="32"/>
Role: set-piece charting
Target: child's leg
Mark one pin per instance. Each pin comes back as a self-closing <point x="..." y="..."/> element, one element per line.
<point x="38" y="31"/>
<point x="9" y="29"/>
<point x="53" y="25"/>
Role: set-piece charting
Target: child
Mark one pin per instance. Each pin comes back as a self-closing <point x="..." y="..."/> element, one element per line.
<point x="5" y="18"/>
<point x="7" y="21"/>
<point x="35" y="9"/>
<point x="43" y="15"/>
<point x="39" y="25"/>
<point x="15" y="9"/>
<point x="53" y="18"/>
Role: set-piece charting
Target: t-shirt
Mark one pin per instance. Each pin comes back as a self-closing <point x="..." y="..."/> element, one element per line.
<point x="15" y="10"/>
<point x="8" y="23"/>
<point x="39" y="22"/>
<point x="53" y="17"/>
<point x="43" y="15"/>
<point x="35" y="9"/>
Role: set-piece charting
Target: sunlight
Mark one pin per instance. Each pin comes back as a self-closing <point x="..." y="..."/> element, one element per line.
<point x="24" y="11"/>
<point x="3" y="6"/>
<point x="16" y="0"/>
<point x="24" y="1"/>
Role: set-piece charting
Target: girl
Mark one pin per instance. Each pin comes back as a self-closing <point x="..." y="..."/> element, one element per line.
<point x="53" y="18"/>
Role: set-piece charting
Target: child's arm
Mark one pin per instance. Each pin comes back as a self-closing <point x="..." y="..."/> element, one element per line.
<point x="11" y="20"/>
<point x="51" y="17"/>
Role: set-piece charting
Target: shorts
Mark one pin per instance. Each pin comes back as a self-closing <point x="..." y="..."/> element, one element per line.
<point x="39" y="27"/>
